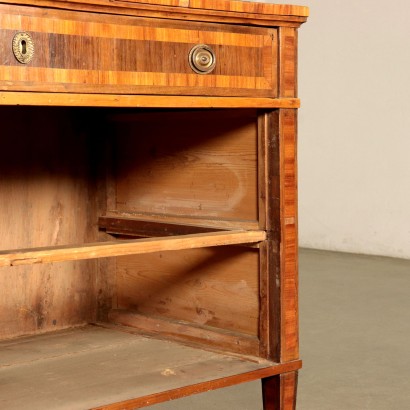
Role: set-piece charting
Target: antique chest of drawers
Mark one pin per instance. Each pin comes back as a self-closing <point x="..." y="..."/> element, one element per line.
<point x="148" y="191"/>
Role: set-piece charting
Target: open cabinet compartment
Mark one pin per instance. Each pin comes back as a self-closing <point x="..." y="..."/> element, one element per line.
<point x="156" y="191"/>
<point x="148" y="212"/>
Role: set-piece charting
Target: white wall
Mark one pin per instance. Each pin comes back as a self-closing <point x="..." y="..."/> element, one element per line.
<point x="354" y="133"/>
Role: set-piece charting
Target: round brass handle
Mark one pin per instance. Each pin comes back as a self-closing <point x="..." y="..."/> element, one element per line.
<point x="23" y="47"/>
<point x="202" y="59"/>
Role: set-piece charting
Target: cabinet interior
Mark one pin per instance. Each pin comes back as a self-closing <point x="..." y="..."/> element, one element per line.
<point x="74" y="176"/>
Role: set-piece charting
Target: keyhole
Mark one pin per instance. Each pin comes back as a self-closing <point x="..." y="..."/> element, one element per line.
<point x="23" y="47"/>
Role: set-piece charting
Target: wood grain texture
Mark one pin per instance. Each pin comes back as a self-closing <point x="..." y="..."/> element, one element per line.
<point x="236" y="6"/>
<point x="124" y="56"/>
<point x="137" y="101"/>
<point x="188" y="332"/>
<point x="279" y="392"/>
<point x="213" y="287"/>
<point x="280" y="252"/>
<point x="45" y="184"/>
<point x="64" y="253"/>
<point x="288" y="62"/>
<point x="93" y="367"/>
<point x="222" y="169"/>
<point x="217" y="223"/>
<point x="268" y="15"/>
<point x="289" y="247"/>
<point x="144" y="228"/>
<point x="270" y="252"/>
<point x="196" y="164"/>
<point x="202" y="387"/>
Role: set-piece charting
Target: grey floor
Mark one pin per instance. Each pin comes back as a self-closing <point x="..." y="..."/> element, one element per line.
<point x="355" y="338"/>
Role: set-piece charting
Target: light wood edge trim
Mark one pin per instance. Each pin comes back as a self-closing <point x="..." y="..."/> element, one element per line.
<point x="203" y="387"/>
<point x="129" y="247"/>
<point x="175" y="13"/>
<point x="230" y="6"/>
<point x="140" y="101"/>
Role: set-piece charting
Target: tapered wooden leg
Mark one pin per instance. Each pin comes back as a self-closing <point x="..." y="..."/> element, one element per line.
<point x="279" y="392"/>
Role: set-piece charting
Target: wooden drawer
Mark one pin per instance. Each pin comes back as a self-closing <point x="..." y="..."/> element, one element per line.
<point x="94" y="53"/>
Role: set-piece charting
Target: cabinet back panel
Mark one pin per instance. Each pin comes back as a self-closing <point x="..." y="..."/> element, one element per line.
<point x="192" y="164"/>
<point x="45" y="192"/>
<point x="216" y="287"/>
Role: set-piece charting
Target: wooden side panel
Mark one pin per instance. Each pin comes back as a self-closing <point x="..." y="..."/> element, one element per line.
<point x="213" y="287"/>
<point x="289" y="243"/>
<point x="85" y="52"/>
<point x="288" y="62"/>
<point x="45" y="199"/>
<point x="280" y="300"/>
<point x="278" y="193"/>
<point x="191" y="164"/>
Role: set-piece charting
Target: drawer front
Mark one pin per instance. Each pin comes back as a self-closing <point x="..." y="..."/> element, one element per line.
<point x="93" y="53"/>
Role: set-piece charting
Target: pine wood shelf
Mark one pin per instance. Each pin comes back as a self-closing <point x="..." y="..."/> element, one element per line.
<point x="127" y="247"/>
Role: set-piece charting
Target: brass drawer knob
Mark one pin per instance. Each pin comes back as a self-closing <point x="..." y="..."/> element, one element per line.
<point x="202" y="59"/>
<point x="23" y="47"/>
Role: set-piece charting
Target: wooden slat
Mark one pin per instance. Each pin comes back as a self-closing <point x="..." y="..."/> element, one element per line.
<point x="188" y="332"/>
<point x="111" y="100"/>
<point x="121" y="248"/>
<point x="137" y="227"/>
<point x="217" y="223"/>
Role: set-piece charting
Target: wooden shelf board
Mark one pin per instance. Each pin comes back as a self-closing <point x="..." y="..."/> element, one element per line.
<point x="217" y="223"/>
<point x="146" y="228"/>
<point x="140" y="101"/>
<point x="127" y="247"/>
<point x="95" y="367"/>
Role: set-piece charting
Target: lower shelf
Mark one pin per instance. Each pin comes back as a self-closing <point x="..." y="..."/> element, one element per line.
<point x="96" y="367"/>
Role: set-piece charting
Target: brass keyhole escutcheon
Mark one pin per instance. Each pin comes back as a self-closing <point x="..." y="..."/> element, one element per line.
<point x="202" y="59"/>
<point x="23" y="47"/>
